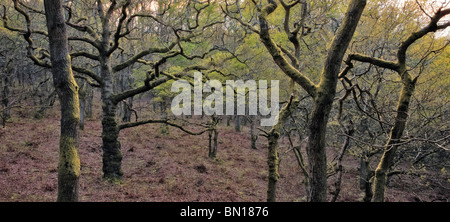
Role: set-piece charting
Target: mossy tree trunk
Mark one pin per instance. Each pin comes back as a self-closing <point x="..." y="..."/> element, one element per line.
<point x="323" y="94"/>
<point x="67" y="90"/>
<point x="273" y="137"/>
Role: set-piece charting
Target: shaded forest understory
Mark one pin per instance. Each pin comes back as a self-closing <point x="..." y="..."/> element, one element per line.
<point x="175" y="167"/>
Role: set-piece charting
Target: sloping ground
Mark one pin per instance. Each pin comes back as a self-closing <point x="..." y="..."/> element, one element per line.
<point x="171" y="167"/>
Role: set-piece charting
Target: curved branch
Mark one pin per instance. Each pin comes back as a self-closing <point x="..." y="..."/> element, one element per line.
<point x="117" y="34"/>
<point x="82" y="28"/>
<point x="165" y="121"/>
<point x="276" y="52"/>
<point x="431" y="27"/>
<point x="89" y="81"/>
<point x="374" y="61"/>
<point x="88" y="73"/>
<point x="27" y="35"/>
<point x="245" y="24"/>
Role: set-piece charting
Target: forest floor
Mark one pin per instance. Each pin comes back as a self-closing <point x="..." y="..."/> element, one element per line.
<point x="173" y="167"/>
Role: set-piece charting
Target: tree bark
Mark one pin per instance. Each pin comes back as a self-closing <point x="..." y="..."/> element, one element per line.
<point x="215" y="139"/>
<point x="89" y="99"/>
<point x="67" y="90"/>
<point x="323" y="100"/>
<point x="5" y="100"/>
<point x="237" y="123"/>
<point x="128" y="110"/>
<point x="213" y="136"/>
<point x="210" y="134"/>
<point x="323" y="94"/>
<point x="164" y="128"/>
<point x="396" y="133"/>
<point x="272" y="162"/>
<point x="253" y="135"/>
<point x="112" y="154"/>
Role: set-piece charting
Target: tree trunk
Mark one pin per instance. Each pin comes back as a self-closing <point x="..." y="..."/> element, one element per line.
<point x="82" y="108"/>
<point x="323" y="100"/>
<point x="253" y="135"/>
<point x="216" y="136"/>
<point x="164" y="128"/>
<point x="67" y="90"/>
<point x="89" y="98"/>
<point x="82" y="97"/>
<point x="213" y="136"/>
<point x="128" y="110"/>
<point x="272" y="151"/>
<point x="316" y="152"/>
<point x="210" y="134"/>
<point x="323" y="94"/>
<point x="272" y="162"/>
<point x="112" y="155"/>
<point x="5" y="100"/>
<point x="396" y="133"/>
